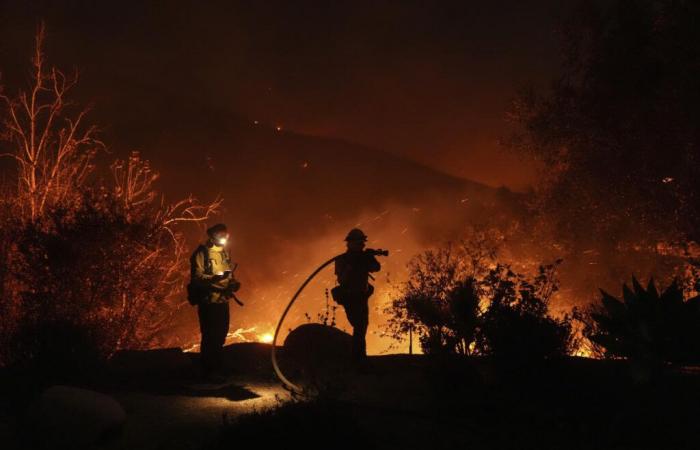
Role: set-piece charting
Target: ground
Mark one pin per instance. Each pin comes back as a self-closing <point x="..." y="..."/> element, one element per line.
<point x="397" y="401"/>
<point x="189" y="420"/>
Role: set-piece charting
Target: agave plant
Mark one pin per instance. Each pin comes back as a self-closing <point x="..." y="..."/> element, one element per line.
<point x="646" y="324"/>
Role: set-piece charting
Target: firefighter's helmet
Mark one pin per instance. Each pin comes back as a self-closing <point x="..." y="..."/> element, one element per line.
<point x="356" y="235"/>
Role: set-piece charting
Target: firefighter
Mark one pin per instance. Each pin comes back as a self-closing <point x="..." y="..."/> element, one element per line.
<point x="352" y="270"/>
<point x="212" y="285"/>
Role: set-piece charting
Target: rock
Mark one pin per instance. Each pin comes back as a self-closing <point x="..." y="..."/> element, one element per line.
<point x="70" y="417"/>
<point x="317" y="357"/>
<point x="318" y="344"/>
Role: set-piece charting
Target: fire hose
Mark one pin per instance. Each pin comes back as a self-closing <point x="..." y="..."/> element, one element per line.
<point x="291" y="386"/>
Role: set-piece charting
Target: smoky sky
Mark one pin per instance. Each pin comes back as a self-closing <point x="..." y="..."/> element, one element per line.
<point x="429" y="81"/>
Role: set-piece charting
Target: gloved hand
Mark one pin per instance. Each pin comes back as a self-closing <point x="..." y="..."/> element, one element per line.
<point x="221" y="276"/>
<point x="232" y="287"/>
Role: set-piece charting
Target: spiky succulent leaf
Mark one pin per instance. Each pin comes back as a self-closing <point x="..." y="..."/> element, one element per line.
<point x="648" y="324"/>
<point x="638" y="289"/>
<point x="631" y="300"/>
<point x="613" y="306"/>
<point x="673" y="294"/>
<point x="651" y="290"/>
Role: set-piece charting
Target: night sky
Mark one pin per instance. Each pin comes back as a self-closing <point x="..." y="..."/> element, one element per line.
<point x="430" y="81"/>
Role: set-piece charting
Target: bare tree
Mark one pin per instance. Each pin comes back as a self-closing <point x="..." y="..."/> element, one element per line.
<point x="106" y="258"/>
<point x="49" y="141"/>
<point x="164" y="261"/>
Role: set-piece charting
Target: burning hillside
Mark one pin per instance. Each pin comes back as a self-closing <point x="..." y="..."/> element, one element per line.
<point x="289" y="200"/>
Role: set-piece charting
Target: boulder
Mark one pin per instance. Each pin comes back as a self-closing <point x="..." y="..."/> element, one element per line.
<point x="318" y="344"/>
<point x="70" y="417"/>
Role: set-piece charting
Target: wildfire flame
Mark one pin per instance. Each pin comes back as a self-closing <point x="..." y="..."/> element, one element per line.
<point x="239" y="335"/>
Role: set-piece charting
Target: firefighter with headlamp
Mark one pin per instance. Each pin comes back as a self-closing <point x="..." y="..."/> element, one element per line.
<point x="211" y="286"/>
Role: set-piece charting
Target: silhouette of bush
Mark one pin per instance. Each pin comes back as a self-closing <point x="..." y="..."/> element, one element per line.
<point x="56" y="349"/>
<point x="510" y="333"/>
<point x="463" y="308"/>
<point x="646" y="325"/>
<point x="516" y="324"/>
<point x="438" y="303"/>
<point x="90" y="275"/>
<point x="461" y="300"/>
<point x="317" y="424"/>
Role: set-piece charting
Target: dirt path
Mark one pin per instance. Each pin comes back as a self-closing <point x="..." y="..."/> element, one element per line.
<point x="191" y="418"/>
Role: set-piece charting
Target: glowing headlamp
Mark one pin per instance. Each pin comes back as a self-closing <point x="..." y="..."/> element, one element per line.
<point x="220" y="239"/>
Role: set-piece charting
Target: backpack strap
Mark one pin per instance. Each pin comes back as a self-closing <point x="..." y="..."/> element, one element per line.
<point x="207" y="261"/>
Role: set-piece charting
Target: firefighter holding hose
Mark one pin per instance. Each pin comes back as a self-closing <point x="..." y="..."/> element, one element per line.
<point x="352" y="270"/>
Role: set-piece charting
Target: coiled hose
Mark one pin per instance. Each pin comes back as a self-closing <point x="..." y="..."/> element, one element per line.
<point x="291" y="386"/>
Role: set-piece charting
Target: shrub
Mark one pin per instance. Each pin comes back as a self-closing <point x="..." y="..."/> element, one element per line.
<point x="317" y="424"/>
<point x="87" y="266"/>
<point x="459" y="299"/>
<point x="436" y="303"/>
<point x="516" y="324"/>
<point x="646" y="325"/>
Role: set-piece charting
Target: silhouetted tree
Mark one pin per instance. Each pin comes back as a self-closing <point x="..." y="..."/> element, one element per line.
<point x="618" y="136"/>
<point x="618" y="132"/>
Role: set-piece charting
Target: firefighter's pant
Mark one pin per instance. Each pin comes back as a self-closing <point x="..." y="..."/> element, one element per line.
<point x="213" y="323"/>
<point x="357" y="310"/>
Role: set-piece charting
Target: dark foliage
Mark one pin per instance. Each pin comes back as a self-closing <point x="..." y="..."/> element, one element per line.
<point x="646" y="325"/>
<point x="617" y="137"/>
<point x="319" y="424"/>
<point x="516" y="324"/>
<point x="463" y="307"/>
<point x="618" y="131"/>
<point x="84" y="280"/>
<point x="87" y="266"/>
<point x="456" y="303"/>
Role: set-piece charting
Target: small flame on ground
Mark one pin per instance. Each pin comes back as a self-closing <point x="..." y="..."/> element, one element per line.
<point x="266" y="338"/>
